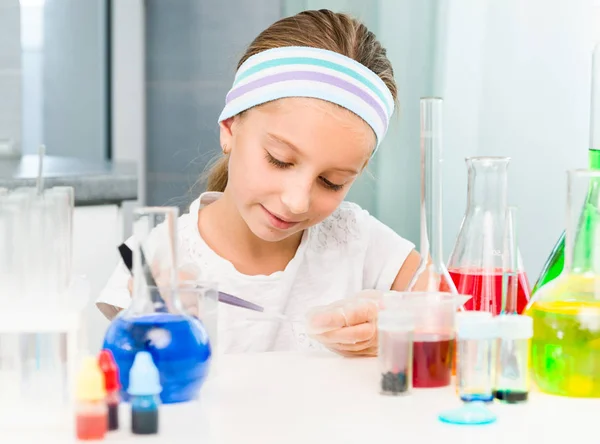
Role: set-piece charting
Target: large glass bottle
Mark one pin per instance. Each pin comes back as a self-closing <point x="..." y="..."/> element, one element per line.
<point x="476" y="264"/>
<point x="565" y="347"/>
<point x="155" y="320"/>
<point x="433" y="267"/>
<point x="555" y="262"/>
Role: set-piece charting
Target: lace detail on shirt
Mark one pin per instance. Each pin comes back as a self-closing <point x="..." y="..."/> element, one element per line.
<point x="191" y="248"/>
<point x="337" y="230"/>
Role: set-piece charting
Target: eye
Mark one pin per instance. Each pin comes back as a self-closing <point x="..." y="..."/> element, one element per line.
<point x="330" y="185"/>
<point x="276" y="162"/>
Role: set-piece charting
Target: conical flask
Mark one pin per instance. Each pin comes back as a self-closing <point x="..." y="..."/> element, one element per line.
<point x="555" y="262"/>
<point x="155" y="321"/>
<point x="565" y="349"/>
<point x="433" y="267"/>
<point x="476" y="263"/>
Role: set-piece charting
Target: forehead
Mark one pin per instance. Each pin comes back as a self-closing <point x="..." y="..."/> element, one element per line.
<point x="316" y="126"/>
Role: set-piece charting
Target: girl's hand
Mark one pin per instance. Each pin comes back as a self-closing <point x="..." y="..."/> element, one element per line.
<point x="348" y="327"/>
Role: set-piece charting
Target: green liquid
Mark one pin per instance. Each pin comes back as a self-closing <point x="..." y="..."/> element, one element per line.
<point x="556" y="261"/>
<point x="565" y="349"/>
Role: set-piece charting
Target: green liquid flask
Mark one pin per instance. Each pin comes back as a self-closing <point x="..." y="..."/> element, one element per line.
<point x="555" y="262"/>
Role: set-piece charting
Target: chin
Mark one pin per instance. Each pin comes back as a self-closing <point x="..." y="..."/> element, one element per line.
<point x="271" y="234"/>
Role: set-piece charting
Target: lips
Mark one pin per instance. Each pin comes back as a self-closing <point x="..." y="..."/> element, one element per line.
<point x="278" y="221"/>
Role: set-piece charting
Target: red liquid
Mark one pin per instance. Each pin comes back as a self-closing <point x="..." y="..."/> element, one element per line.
<point x="474" y="282"/>
<point x="432" y="363"/>
<point x="91" y="427"/>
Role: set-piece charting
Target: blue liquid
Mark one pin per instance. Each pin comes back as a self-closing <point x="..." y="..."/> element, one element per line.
<point x="179" y="347"/>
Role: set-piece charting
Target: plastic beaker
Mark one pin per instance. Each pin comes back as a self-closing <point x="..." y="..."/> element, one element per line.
<point x="395" y="335"/>
<point x="565" y="348"/>
<point x="476" y="262"/>
<point x="434" y="337"/>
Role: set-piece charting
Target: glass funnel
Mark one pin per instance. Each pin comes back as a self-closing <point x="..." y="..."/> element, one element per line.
<point x="476" y="263"/>
<point x="433" y="267"/>
<point x="155" y="320"/>
<point x="555" y="262"/>
<point x="565" y="347"/>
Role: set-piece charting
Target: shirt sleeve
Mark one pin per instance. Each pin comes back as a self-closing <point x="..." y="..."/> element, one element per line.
<point x="115" y="294"/>
<point x="385" y="254"/>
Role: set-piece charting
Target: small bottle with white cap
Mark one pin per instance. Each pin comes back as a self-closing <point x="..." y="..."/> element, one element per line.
<point x="144" y="388"/>
<point x="512" y="373"/>
<point x="477" y="338"/>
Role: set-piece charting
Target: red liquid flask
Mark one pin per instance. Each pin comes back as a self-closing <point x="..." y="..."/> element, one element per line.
<point x="485" y="262"/>
<point x="479" y="282"/>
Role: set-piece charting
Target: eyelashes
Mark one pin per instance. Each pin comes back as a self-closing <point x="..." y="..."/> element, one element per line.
<point x="285" y="165"/>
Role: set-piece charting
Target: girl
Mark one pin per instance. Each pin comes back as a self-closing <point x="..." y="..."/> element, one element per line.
<point x="310" y="104"/>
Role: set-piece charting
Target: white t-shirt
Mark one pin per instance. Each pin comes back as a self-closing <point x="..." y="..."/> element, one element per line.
<point x="348" y="252"/>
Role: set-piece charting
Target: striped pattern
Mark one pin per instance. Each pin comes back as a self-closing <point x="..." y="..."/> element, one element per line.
<point x="311" y="72"/>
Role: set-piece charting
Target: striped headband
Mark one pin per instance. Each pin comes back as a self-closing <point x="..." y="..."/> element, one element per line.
<point x="295" y="71"/>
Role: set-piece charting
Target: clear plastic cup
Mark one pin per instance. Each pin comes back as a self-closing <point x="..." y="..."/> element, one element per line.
<point x="434" y="337"/>
<point x="395" y="333"/>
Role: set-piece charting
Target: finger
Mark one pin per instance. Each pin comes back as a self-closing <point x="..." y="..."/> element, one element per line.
<point x="359" y="346"/>
<point x="130" y="286"/>
<point x="360" y="311"/>
<point x="367" y="351"/>
<point x="349" y="335"/>
<point x="342" y="314"/>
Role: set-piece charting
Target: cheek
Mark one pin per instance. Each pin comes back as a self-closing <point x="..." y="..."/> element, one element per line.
<point x="325" y="204"/>
<point x="248" y="173"/>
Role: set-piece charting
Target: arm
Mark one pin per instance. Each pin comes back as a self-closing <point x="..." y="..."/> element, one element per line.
<point x="408" y="272"/>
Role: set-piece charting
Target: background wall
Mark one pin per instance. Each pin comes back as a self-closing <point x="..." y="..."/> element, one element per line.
<point x="514" y="77"/>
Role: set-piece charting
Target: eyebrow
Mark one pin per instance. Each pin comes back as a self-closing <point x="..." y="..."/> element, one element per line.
<point x="294" y="148"/>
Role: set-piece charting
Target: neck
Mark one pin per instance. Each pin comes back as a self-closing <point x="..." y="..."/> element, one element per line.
<point x="225" y="231"/>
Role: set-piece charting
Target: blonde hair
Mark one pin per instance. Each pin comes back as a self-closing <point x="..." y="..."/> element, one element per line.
<point x="318" y="29"/>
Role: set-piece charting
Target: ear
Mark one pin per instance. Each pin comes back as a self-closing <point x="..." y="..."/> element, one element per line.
<point x="226" y="133"/>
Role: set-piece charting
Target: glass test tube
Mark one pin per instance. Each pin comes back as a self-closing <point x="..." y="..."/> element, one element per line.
<point x="512" y="372"/>
<point x="476" y="353"/>
<point x="395" y="331"/>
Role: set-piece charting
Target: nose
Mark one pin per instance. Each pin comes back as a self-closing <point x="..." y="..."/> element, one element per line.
<point x="296" y="197"/>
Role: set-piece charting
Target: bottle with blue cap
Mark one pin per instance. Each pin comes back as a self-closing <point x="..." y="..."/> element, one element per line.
<point x="144" y="389"/>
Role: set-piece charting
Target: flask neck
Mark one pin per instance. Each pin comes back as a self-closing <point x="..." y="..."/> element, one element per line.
<point x="594" y="158"/>
<point x="582" y="242"/>
<point x="487" y="185"/>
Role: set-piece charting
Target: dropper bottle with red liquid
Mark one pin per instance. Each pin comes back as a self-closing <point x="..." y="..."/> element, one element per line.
<point x="91" y="412"/>
<point x="476" y="264"/>
<point x="112" y="386"/>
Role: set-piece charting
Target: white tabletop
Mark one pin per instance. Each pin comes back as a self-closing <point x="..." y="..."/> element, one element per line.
<point x="322" y="398"/>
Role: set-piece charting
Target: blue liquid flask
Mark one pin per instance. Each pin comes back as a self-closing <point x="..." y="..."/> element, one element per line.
<point x="155" y="321"/>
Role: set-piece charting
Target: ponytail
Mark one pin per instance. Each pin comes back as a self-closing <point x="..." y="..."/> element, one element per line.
<point x="218" y="174"/>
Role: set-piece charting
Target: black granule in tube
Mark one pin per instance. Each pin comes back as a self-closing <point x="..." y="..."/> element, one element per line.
<point x="144" y="422"/>
<point x="113" y="416"/>
<point x="394" y="382"/>
<point x="511" y="397"/>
